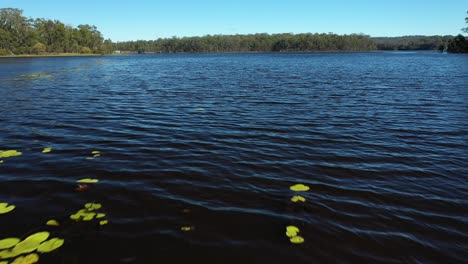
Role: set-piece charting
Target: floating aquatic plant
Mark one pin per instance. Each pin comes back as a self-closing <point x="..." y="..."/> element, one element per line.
<point x="298" y="198"/>
<point x="31" y="243"/>
<point x="5" y="208"/>
<point x="9" y="153"/>
<point x="52" y="222"/>
<point x="200" y="109"/>
<point x="89" y="213"/>
<point x="292" y="232"/>
<point x="299" y="188"/>
<point x="50" y="245"/>
<point x="9" y="242"/>
<point x="88" y="180"/>
<point x="46" y="150"/>
<point x="28" y="259"/>
<point x="186" y="228"/>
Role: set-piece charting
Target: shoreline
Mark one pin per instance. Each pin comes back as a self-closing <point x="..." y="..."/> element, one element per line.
<point x="53" y="55"/>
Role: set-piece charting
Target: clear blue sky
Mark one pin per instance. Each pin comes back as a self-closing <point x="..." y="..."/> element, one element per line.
<point x="151" y="19"/>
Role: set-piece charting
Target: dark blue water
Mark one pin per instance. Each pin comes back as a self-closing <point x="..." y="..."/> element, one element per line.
<point x="214" y="141"/>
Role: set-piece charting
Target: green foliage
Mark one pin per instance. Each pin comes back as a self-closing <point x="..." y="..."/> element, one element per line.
<point x="20" y="35"/>
<point x="251" y="43"/>
<point x="458" y="45"/>
<point x="411" y="42"/>
<point x="85" y="50"/>
<point x="38" y="48"/>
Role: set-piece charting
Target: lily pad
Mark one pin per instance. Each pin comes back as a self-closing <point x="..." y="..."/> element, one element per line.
<point x="300" y="188"/>
<point x="93" y="206"/>
<point x="103" y="222"/>
<point x="186" y="228"/>
<point x="5" y="208"/>
<point x="50" y="245"/>
<point x="9" y="242"/>
<point x="46" y="150"/>
<point x="88" y="180"/>
<point x="89" y="217"/>
<point x="52" y="222"/>
<point x="100" y="215"/>
<point x="298" y="198"/>
<point x="297" y="240"/>
<point x="6" y="254"/>
<point x="29" y="259"/>
<point x="291" y="231"/>
<point x="31" y="243"/>
<point x="94" y="152"/>
<point x="9" y="153"/>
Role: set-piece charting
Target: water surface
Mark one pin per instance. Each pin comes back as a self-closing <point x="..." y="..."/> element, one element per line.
<point x="214" y="141"/>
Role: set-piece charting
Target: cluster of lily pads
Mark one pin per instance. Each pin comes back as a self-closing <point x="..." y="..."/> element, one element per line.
<point x="292" y="232"/>
<point x="25" y="251"/>
<point x="95" y="153"/>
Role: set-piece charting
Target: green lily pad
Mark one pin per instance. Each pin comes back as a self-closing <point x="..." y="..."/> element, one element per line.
<point x="298" y="198"/>
<point x="9" y="153"/>
<point x="6" y="254"/>
<point x="46" y="150"/>
<point x="29" y="259"/>
<point x="88" y="180"/>
<point x="89" y="217"/>
<point x="300" y="188"/>
<point x="31" y="243"/>
<point x="297" y="240"/>
<point x="52" y="222"/>
<point x="291" y="231"/>
<point x="50" y="245"/>
<point x="5" y="208"/>
<point x="103" y="222"/>
<point x="93" y="206"/>
<point x="95" y="152"/>
<point x="186" y="228"/>
<point x="75" y="217"/>
<point x="100" y="215"/>
<point x="9" y="242"/>
<point x="4" y="262"/>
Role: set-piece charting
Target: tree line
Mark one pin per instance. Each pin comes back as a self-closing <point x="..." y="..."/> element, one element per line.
<point x="22" y="35"/>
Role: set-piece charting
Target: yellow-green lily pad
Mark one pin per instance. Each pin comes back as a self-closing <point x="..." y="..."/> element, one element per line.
<point x="100" y="215"/>
<point x="31" y="243"/>
<point x="46" y="150"/>
<point x="88" y="180"/>
<point x="93" y="206"/>
<point x="103" y="222"/>
<point x="29" y="259"/>
<point x="298" y="198"/>
<point x="4" y="262"/>
<point x="297" y="240"/>
<point x="6" y="254"/>
<point x="300" y="188"/>
<point x="9" y="242"/>
<point x="5" y="208"/>
<point x="75" y="217"/>
<point x="291" y="231"/>
<point x="52" y="222"/>
<point x="186" y="228"/>
<point x="89" y="217"/>
<point x="9" y="153"/>
<point x="94" y="152"/>
<point x="50" y="245"/>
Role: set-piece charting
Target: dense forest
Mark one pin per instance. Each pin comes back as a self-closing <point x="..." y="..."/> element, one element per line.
<point x="252" y="43"/>
<point x="22" y="35"/>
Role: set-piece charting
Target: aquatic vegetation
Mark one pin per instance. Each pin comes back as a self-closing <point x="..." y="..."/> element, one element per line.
<point x="186" y="228"/>
<point x="88" y="180"/>
<point x="298" y="198"/>
<point x="95" y="153"/>
<point x="299" y="188"/>
<point x="9" y="153"/>
<point x="28" y="259"/>
<point x="89" y="213"/>
<point x="52" y="222"/>
<point x="200" y="109"/>
<point x="31" y="243"/>
<point x="9" y="242"/>
<point x="292" y="232"/>
<point x="46" y="150"/>
<point x="50" y="245"/>
<point x="5" y="208"/>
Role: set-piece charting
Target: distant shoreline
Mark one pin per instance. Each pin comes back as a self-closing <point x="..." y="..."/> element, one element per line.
<point x="51" y="55"/>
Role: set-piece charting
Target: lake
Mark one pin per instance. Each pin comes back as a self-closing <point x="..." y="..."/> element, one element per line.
<point x="195" y="155"/>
